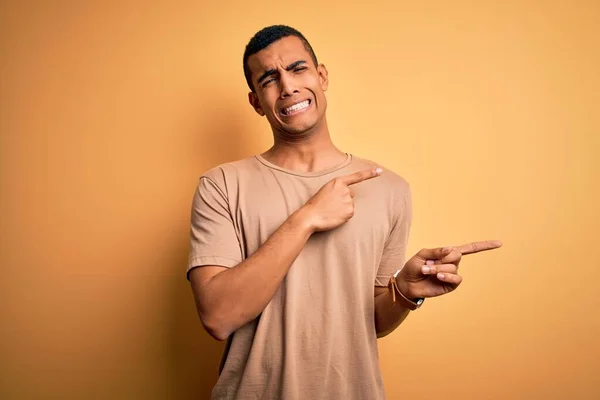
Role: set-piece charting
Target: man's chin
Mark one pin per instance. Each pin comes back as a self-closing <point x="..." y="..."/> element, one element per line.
<point x="301" y="128"/>
<point x="299" y="131"/>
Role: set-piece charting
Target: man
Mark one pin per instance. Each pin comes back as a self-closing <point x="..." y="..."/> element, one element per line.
<point x="298" y="254"/>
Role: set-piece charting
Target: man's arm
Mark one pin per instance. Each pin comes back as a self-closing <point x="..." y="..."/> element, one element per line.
<point x="229" y="298"/>
<point x="388" y="315"/>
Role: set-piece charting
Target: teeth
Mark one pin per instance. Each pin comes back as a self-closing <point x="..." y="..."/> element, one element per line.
<point x="296" y="107"/>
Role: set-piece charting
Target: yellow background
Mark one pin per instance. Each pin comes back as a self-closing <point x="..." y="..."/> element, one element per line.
<point x="109" y="113"/>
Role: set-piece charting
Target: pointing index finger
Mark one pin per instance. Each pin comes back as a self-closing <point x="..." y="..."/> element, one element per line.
<point x="361" y="176"/>
<point x="476" y="247"/>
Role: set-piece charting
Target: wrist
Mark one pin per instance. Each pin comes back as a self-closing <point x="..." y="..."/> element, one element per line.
<point x="401" y="292"/>
<point x="403" y="286"/>
<point x="303" y="221"/>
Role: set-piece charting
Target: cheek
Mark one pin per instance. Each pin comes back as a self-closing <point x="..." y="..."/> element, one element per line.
<point x="261" y="107"/>
<point x="314" y="82"/>
<point x="315" y="85"/>
<point x="269" y="101"/>
<point x="322" y="99"/>
<point x="322" y="84"/>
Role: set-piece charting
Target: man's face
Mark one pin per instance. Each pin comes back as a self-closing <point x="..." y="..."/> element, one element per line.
<point x="288" y="87"/>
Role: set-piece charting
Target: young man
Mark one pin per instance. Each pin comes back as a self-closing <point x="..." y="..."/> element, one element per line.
<point x="298" y="254"/>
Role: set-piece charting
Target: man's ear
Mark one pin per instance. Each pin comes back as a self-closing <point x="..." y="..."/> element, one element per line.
<point x="323" y="76"/>
<point x="255" y="103"/>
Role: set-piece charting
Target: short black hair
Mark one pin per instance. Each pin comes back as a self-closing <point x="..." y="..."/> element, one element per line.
<point x="263" y="38"/>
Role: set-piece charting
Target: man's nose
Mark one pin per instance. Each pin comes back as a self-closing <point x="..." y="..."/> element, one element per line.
<point x="288" y="86"/>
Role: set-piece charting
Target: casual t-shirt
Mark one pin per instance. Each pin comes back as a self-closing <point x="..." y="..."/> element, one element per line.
<point x="316" y="338"/>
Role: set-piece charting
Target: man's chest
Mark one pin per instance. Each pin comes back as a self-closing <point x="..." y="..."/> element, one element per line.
<point x="259" y="208"/>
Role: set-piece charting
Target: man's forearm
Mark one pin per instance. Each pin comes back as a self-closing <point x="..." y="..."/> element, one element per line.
<point x="236" y="296"/>
<point x="388" y="315"/>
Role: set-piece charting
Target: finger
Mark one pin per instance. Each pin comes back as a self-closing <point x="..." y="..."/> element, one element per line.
<point x="476" y="247"/>
<point x="360" y="176"/>
<point x="434" y="269"/>
<point x="452" y="279"/>
<point x="434" y="254"/>
<point x="352" y="194"/>
<point x="453" y="257"/>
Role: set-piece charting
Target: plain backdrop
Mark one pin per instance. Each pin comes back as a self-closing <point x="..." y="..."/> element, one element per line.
<point x="110" y="111"/>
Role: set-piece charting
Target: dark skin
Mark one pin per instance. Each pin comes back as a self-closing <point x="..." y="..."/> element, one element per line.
<point x="429" y="273"/>
<point x="289" y="90"/>
<point x="283" y="75"/>
<point x="286" y="77"/>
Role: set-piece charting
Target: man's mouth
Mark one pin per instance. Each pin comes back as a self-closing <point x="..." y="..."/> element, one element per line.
<point x="296" y="108"/>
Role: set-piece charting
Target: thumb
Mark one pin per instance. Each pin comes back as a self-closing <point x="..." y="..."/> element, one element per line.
<point x="434" y="254"/>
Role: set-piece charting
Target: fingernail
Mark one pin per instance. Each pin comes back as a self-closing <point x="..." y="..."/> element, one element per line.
<point x="429" y="262"/>
<point x="441" y="276"/>
<point x="426" y="270"/>
<point x="378" y="171"/>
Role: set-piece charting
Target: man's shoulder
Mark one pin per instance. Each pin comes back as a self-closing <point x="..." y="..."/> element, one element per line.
<point x="232" y="169"/>
<point x="388" y="179"/>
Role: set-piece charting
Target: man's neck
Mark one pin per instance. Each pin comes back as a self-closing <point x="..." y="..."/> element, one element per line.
<point x="315" y="153"/>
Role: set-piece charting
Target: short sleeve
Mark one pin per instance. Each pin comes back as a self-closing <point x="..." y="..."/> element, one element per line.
<point x="394" y="252"/>
<point x="213" y="238"/>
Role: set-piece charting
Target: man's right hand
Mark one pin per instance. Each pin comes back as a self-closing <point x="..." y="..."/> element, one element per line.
<point x="333" y="204"/>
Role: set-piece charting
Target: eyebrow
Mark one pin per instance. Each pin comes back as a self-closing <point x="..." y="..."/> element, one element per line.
<point x="274" y="71"/>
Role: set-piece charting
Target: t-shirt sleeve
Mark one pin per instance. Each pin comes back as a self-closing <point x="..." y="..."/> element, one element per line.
<point x="394" y="252"/>
<point x="213" y="238"/>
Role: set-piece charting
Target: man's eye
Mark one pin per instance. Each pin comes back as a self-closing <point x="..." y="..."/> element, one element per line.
<point x="265" y="83"/>
<point x="300" y="69"/>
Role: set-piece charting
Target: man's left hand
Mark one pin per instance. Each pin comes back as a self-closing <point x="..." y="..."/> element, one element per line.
<point x="433" y="272"/>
